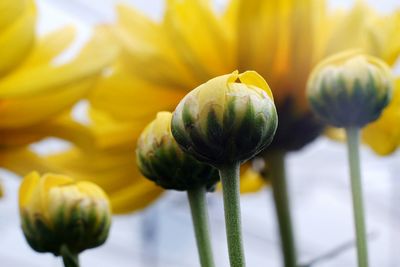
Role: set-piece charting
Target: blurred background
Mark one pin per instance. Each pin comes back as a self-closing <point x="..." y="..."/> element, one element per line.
<point x="162" y="235"/>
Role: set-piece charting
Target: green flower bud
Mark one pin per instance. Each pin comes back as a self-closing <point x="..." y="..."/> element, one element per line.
<point x="56" y="212"/>
<point x="228" y="119"/>
<point x="350" y="89"/>
<point x="161" y="160"/>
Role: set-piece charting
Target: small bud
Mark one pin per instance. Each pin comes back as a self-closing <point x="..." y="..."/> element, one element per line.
<point x="228" y="119"/>
<point x="56" y="211"/>
<point x="161" y="160"/>
<point x="350" y="89"/>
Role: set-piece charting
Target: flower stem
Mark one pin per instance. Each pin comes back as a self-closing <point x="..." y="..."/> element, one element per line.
<point x="276" y="160"/>
<point x="358" y="207"/>
<point x="230" y="187"/>
<point x="70" y="259"/>
<point x="198" y="207"/>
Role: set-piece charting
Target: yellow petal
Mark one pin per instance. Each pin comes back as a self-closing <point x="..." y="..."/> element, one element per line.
<point x="17" y="38"/>
<point x="383" y="135"/>
<point x="196" y="31"/>
<point x="50" y="46"/>
<point x="384" y="40"/>
<point x="122" y="95"/>
<point x="349" y="30"/>
<point x="29" y="110"/>
<point x="145" y="43"/>
<point x="135" y="196"/>
<point x="91" y="190"/>
<point x="96" y="55"/>
<point x="28" y="188"/>
<point x="250" y="180"/>
<point x="281" y="39"/>
<point x="9" y="11"/>
<point x="253" y="78"/>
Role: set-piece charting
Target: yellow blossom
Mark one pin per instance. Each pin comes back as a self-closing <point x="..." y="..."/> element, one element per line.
<point x="161" y="61"/>
<point x="37" y="89"/>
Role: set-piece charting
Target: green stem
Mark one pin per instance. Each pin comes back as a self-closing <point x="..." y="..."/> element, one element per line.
<point x="70" y="259"/>
<point x="198" y="207"/>
<point x="230" y="187"/>
<point x="358" y="207"/>
<point x="276" y="160"/>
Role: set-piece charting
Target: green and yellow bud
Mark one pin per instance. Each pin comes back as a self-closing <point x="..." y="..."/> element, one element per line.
<point x="161" y="160"/>
<point x="228" y="119"/>
<point x="58" y="212"/>
<point x="350" y="89"/>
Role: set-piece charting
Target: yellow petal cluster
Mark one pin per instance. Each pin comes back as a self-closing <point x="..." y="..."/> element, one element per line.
<point x="161" y="60"/>
<point x="37" y="89"/>
<point x="55" y="211"/>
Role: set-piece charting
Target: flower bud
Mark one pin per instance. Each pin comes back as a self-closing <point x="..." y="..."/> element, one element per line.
<point x="56" y="211"/>
<point x="161" y="160"/>
<point x="228" y="119"/>
<point x="350" y="89"/>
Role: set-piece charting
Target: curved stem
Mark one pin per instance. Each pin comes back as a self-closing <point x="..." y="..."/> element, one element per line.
<point x="230" y="188"/>
<point x="198" y="208"/>
<point x="70" y="259"/>
<point x="276" y="160"/>
<point x="358" y="207"/>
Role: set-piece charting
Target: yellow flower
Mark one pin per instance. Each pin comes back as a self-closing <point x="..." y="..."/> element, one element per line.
<point x="37" y="88"/>
<point x="56" y="211"/>
<point x="161" y="61"/>
<point x="383" y="135"/>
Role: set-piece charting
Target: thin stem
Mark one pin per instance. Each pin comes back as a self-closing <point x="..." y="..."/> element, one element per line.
<point x="230" y="188"/>
<point x="198" y="208"/>
<point x="358" y="207"/>
<point x="70" y="259"/>
<point x="276" y="160"/>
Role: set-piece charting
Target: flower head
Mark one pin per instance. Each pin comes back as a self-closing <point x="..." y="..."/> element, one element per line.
<point x="55" y="211"/>
<point x="350" y="89"/>
<point x="160" y="159"/>
<point x="228" y="119"/>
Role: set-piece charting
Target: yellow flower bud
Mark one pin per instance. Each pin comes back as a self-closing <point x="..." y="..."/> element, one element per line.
<point x="161" y="160"/>
<point x="56" y="211"/>
<point x="350" y="89"/>
<point x="228" y="119"/>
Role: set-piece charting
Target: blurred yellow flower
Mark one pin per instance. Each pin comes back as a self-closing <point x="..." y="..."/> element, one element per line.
<point x="37" y="88"/>
<point x="161" y="61"/>
<point x="56" y="211"/>
<point x="383" y="135"/>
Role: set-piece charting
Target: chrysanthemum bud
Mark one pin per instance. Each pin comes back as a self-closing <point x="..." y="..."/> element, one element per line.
<point x="56" y="212"/>
<point x="161" y="160"/>
<point x="227" y="119"/>
<point x="350" y="89"/>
